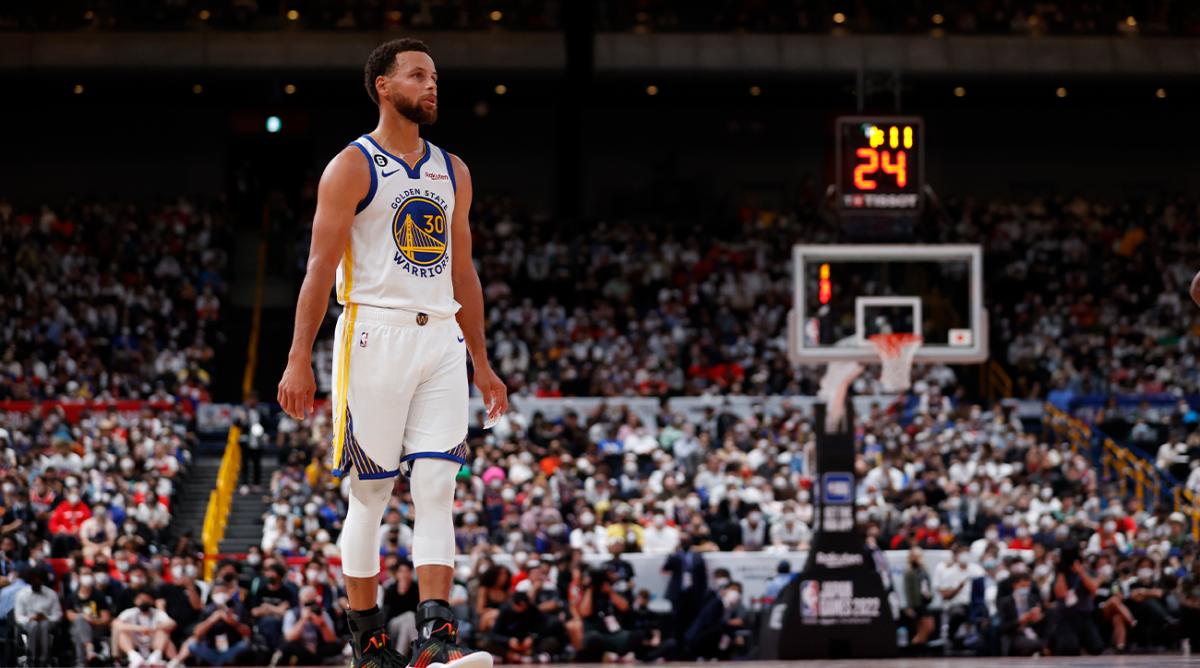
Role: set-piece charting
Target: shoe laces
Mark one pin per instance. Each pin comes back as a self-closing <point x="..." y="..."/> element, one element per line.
<point x="380" y="651"/>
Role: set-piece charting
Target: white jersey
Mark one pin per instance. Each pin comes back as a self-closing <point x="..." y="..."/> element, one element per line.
<point x="399" y="251"/>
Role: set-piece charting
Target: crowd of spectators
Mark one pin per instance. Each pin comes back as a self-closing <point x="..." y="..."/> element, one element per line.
<point x="106" y="301"/>
<point x="1017" y="17"/>
<point x="86" y="506"/>
<point x="1084" y="298"/>
<point x="1047" y="557"/>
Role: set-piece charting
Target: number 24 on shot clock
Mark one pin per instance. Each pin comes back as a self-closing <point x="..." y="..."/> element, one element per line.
<point x="880" y="164"/>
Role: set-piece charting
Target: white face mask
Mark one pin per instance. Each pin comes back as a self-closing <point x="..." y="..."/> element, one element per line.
<point x="253" y="559"/>
<point x="1145" y="574"/>
<point x="86" y="581"/>
<point x="731" y="598"/>
<point x="177" y="572"/>
<point x="220" y="598"/>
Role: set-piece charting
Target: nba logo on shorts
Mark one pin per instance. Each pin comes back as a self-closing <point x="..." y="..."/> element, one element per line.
<point x="810" y="598"/>
<point x="362" y="340"/>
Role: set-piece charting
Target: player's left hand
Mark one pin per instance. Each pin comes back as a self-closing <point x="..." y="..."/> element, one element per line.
<point x="495" y="394"/>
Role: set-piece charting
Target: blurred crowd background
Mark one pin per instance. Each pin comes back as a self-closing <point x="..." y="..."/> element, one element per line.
<point x="548" y="506"/>
<point x="632" y="228"/>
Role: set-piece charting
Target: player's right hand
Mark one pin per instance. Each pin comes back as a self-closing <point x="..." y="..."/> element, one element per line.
<point x="297" y="389"/>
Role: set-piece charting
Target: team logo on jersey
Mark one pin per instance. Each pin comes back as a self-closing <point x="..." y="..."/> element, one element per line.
<point x="380" y="160"/>
<point x="419" y="228"/>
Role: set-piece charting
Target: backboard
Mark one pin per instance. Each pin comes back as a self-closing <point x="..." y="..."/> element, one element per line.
<point x="846" y="293"/>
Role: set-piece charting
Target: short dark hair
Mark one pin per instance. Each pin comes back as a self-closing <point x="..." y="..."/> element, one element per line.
<point x="383" y="59"/>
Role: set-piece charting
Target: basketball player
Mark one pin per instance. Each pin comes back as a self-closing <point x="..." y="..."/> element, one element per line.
<point x="391" y="219"/>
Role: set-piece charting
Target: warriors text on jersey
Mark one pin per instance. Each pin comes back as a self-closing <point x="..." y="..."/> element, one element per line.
<point x="398" y="255"/>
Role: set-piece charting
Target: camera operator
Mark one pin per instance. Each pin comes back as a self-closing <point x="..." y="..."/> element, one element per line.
<point x="308" y="631"/>
<point x="222" y="637"/>
<point x="601" y="607"/>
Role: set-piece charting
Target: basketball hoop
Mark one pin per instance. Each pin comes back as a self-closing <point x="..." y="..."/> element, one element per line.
<point x="896" y="352"/>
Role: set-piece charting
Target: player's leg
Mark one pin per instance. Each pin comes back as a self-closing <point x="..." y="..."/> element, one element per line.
<point x="435" y="449"/>
<point x="368" y="387"/>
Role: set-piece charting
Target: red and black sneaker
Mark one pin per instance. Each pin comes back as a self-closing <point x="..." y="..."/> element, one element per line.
<point x="372" y="646"/>
<point x="437" y="642"/>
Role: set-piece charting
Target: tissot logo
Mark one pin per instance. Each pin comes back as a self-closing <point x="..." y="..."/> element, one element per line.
<point x="437" y="177"/>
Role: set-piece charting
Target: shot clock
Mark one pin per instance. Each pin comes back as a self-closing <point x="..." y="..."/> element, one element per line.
<point x="880" y="164"/>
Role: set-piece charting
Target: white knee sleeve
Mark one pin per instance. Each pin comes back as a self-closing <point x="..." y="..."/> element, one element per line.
<point x="360" y="532"/>
<point x="432" y="483"/>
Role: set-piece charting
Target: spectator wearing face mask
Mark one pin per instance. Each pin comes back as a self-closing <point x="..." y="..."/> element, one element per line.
<point x="716" y="631"/>
<point x="137" y="584"/>
<point x="105" y="584"/>
<point x="470" y="533"/>
<point x="269" y="602"/>
<point x="1107" y="537"/>
<point x="182" y="598"/>
<point x="1021" y="539"/>
<point x="789" y="533"/>
<point x="37" y="611"/>
<point x="660" y="537"/>
<point x="69" y="515"/>
<point x="991" y="538"/>
<point x="308" y="631"/>
<point x="90" y="616"/>
<point x="1110" y="602"/>
<point x="754" y="531"/>
<point x="153" y="514"/>
<point x="587" y="536"/>
<point x="1147" y="600"/>
<point x="1022" y="619"/>
<point x="143" y="633"/>
<point x="952" y="579"/>
<point x="221" y="637"/>
<point x="97" y="533"/>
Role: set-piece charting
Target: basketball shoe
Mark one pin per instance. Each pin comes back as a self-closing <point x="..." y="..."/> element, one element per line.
<point x="372" y="646"/>
<point x="437" y="645"/>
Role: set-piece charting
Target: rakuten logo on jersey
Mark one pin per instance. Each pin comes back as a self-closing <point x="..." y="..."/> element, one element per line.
<point x="437" y="177"/>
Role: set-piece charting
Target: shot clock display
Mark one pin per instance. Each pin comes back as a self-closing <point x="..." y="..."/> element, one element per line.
<point x="880" y="164"/>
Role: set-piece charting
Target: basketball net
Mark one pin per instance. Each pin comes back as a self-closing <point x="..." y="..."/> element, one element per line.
<point x="896" y="352"/>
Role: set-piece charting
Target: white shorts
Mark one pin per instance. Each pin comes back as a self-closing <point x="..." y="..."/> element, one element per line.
<point x="399" y="390"/>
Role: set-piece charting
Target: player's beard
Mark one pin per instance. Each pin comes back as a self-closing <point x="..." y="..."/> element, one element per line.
<point x="413" y="111"/>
